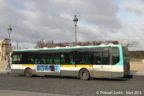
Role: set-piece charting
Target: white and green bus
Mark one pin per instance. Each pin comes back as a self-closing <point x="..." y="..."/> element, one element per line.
<point x="85" y="62"/>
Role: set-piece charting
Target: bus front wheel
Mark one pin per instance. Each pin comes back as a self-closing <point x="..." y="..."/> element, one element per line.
<point x="84" y="74"/>
<point x="28" y="72"/>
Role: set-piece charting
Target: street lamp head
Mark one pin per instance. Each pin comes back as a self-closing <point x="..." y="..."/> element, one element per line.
<point x="9" y="28"/>
<point x="75" y="20"/>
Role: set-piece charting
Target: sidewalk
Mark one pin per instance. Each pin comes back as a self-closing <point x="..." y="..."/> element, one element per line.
<point x="2" y="71"/>
<point x="137" y="73"/>
<point x="25" y="93"/>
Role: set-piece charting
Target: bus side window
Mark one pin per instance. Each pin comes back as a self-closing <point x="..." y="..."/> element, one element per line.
<point x="83" y="61"/>
<point x="62" y="59"/>
<point x="17" y="58"/>
<point x="101" y="56"/>
<point x="31" y="59"/>
<point x="71" y="58"/>
<point x="115" y="55"/>
<point x="105" y="57"/>
<point x="56" y="58"/>
<point x="67" y="58"/>
<point x="53" y="62"/>
<point x="47" y="58"/>
<point x="98" y="59"/>
<point x="43" y="60"/>
<point x="50" y="59"/>
<point x="37" y="58"/>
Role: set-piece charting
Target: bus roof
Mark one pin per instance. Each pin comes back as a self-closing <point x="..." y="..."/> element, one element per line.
<point x="61" y="48"/>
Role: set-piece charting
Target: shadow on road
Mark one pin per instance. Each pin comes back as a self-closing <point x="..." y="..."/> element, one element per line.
<point x="76" y="78"/>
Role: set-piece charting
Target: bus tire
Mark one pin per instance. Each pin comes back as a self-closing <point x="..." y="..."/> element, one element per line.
<point x="84" y="74"/>
<point x="28" y="72"/>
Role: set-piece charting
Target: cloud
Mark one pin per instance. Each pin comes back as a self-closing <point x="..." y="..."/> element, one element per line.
<point x="33" y="20"/>
<point x="135" y="7"/>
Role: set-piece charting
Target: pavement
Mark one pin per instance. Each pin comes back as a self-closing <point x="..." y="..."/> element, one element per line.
<point x="3" y="71"/>
<point x="25" y="93"/>
<point x="137" y="73"/>
<point x="19" y="85"/>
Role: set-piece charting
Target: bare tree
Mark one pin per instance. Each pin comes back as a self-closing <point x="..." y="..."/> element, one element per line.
<point x="132" y="44"/>
<point x="52" y="44"/>
<point x="129" y="43"/>
<point x="40" y="44"/>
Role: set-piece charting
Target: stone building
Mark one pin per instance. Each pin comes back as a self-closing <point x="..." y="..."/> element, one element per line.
<point x="4" y="49"/>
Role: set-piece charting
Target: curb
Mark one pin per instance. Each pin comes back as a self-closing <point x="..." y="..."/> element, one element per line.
<point x="26" y="93"/>
<point x="137" y="73"/>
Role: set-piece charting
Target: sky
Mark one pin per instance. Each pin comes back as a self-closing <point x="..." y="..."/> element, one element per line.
<point x="99" y="20"/>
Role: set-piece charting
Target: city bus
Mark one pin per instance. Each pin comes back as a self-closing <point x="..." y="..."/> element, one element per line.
<point x="85" y="62"/>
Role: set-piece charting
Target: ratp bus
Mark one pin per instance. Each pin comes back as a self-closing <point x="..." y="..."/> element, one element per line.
<point x="85" y="62"/>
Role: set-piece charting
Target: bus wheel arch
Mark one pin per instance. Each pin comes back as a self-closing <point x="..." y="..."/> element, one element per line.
<point x="84" y="74"/>
<point x="28" y="72"/>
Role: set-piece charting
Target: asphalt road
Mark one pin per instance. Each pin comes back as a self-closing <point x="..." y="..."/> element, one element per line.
<point x="74" y="86"/>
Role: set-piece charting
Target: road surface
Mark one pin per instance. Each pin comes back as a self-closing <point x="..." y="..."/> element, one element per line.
<point x="73" y="86"/>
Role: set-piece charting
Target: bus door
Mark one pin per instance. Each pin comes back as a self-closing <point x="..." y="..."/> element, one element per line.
<point x="117" y="62"/>
<point x="101" y="65"/>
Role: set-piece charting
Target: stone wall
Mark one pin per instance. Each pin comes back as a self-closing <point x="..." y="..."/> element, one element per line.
<point x="4" y="49"/>
<point x="3" y="65"/>
<point x="137" y="65"/>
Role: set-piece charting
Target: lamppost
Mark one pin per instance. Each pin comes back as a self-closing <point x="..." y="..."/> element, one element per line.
<point x="75" y="20"/>
<point x="9" y="46"/>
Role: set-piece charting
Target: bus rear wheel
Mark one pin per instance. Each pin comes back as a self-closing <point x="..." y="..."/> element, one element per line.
<point x="84" y="74"/>
<point x="28" y="72"/>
